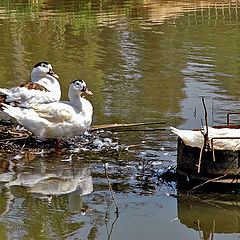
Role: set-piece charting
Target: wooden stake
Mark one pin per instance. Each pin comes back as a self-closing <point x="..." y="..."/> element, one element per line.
<point x="205" y="135"/>
<point x="206" y="140"/>
<point x="200" y="159"/>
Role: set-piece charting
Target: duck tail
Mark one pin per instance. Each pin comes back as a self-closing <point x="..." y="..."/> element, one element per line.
<point x="5" y="91"/>
<point x="11" y="111"/>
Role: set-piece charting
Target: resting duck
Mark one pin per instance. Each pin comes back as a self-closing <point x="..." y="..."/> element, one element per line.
<point x="57" y="120"/>
<point x="43" y="88"/>
<point x="195" y="138"/>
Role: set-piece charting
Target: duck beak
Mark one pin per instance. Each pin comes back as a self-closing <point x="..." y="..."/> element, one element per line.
<point x="52" y="73"/>
<point x="87" y="91"/>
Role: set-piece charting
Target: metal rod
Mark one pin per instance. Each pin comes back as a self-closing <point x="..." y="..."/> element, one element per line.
<point x="228" y="116"/>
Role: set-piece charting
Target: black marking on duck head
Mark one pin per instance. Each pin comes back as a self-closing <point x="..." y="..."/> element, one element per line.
<point x="42" y="64"/>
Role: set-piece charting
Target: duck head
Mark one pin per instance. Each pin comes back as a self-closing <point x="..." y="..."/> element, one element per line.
<point x="77" y="87"/>
<point x="42" y="69"/>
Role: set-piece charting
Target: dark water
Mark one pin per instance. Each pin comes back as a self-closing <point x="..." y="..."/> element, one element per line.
<point x="145" y="61"/>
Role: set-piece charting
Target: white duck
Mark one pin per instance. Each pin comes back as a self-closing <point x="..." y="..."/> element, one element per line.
<point x="57" y="120"/>
<point x="43" y="88"/>
<point x="195" y="138"/>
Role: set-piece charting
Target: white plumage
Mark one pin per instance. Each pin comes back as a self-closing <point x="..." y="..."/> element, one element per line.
<point x="57" y="120"/>
<point x="44" y="88"/>
<point x="195" y="138"/>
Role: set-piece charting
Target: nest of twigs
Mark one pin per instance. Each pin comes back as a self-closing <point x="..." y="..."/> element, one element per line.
<point x="11" y="134"/>
<point x="13" y="137"/>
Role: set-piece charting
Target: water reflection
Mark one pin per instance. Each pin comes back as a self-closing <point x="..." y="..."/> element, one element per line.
<point x="116" y="13"/>
<point x="146" y="60"/>
<point x="160" y="11"/>
<point x="44" y="180"/>
<point x="209" y="214"/>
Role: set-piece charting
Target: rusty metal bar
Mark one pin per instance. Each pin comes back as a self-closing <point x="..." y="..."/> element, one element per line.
<point x="228" y="116"/>
<point x="220" y="138"/>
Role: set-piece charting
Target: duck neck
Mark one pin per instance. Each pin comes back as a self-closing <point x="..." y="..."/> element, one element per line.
<point x="50" y="83"/>
<point x="76" y="101"/>
<point x="43" y="79"/>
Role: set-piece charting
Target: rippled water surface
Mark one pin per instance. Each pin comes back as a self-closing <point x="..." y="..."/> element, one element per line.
<point x="145" y="61"/>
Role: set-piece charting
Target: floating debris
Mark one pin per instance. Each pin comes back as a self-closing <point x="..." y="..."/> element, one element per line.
<point x="68" y="159"/>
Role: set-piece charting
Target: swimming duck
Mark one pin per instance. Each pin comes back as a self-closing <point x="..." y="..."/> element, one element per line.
<point x="57" y="120"/>
<point x="195" y="138"/>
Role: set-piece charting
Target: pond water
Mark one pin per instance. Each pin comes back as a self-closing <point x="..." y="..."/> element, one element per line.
<point x="145" y="61"/>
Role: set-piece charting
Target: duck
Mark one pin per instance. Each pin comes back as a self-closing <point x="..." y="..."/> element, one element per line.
<point x="57" y="120"/>
<point x="43" y="88"/>
<point x="195" y="138"/>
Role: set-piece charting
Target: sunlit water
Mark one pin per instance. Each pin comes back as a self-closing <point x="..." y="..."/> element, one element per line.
<point x="145" y="61"/>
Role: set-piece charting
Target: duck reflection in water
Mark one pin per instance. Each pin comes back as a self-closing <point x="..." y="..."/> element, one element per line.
<point x="45" y="180"/>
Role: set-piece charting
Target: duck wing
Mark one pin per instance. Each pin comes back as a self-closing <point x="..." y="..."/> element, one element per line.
<point x="28" y="93"/>
<point x="53" y="120"/>
<point x="55" y="113"/>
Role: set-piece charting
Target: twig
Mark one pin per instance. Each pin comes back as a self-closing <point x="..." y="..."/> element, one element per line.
<point x="13" y="139"/>
<point x="210" y="180"/>
<point x="23" y="145"/>
<point x="205" y="135"/>
<point x="200" y="159"/>
<point x="111" y="230"/>
<point x="199" y="230"/>
<point x="213" y="231"/>
<point x="121" y="125"/>
<point x="206" y="140"/>
<point x="111" y="190"/>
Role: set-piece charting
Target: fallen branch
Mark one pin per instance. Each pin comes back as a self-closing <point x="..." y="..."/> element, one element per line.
<point x="122" y="125"/>
<point x="13" y="139"/>
<point x="138" y="130"/>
